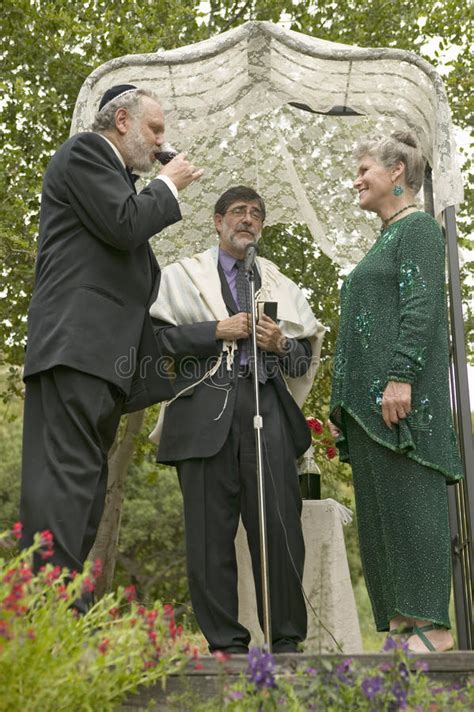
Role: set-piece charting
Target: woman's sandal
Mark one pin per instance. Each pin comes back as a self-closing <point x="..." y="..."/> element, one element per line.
<point x="402" y="631"/>
<point x="420" y="631"/>
<point x="400" y="634"/>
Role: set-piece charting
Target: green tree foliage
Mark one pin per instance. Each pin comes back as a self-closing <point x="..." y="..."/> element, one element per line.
<point x="151" y="551"/>
<point x="10" y="458"/>
<point x="296" y="254"/>
<point x="50" y="47"/>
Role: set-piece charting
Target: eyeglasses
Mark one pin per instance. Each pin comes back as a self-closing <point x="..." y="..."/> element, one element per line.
<point x="241" y="211"/>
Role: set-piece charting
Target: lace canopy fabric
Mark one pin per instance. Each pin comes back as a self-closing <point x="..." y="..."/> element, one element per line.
<point x="230" y="103"/>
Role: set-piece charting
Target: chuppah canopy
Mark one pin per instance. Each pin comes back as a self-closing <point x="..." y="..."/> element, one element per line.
<point x="281" y="111"/>
<point x="251" y="107"/>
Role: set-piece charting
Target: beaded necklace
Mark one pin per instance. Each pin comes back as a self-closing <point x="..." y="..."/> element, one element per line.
<point x="402" y="210"/>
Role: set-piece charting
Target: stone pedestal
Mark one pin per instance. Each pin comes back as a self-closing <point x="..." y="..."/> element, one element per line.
<point x="326" y="582"/>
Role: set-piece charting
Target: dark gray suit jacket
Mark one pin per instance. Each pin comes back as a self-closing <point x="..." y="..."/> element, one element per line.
<point x="96" y="274"/>
<point x="197" y="424"/>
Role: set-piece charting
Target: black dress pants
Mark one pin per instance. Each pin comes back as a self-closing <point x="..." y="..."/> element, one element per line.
<point x="216" y="490"/>
<point x="70" y="421"/>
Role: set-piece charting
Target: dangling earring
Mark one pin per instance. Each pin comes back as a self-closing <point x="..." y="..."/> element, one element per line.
<point x="398" y="190"/>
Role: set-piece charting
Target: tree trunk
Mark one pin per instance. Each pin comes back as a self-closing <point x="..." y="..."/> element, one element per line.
<point x="120" y="456"/>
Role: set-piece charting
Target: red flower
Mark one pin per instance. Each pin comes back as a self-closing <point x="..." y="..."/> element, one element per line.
<point x="30" y="633"/>
<point x="220" y="656"/>
<point x="331" y="452"/>
<point x="62" y="593"/>
<point x="130" y="593"/>
<point x="9" y="603"/>
<point x="114" y="612"/>
<point x="88" y="585"/>
<point x="151" y="617"/>
<point x="17" y="591"/>
<point x="17" y="529"/>
<point x="46" y="542"/>
<point x="9" y="575"/>
<point x="103" y="646"/>
<point x="199" y="666"/>
<point x="315" y="425"/>
<point x="168" y="611"/>
<point x="53" y="575"/>
<point x="96" y="570"/>
<point x="152" y="636"/>
<point x="46" y="553"/>
<point x="25" y="573"/>
<point x="46" y="538"/>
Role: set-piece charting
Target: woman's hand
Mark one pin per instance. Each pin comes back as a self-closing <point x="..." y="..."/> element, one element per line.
<point x="335" y="432"/>
<point x="396" y="402"/>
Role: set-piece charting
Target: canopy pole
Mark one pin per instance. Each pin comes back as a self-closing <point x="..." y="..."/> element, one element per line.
<point x="461" y="495"/>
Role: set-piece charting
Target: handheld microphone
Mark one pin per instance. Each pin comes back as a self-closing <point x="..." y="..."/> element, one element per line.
<point x="250" y="254"/>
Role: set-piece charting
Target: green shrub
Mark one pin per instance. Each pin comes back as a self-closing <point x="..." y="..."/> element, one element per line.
<point x="151" y="550"/>
<point x="52" y="658"/>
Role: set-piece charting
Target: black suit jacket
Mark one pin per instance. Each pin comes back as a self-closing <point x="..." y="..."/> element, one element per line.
<point x="197" y="423"/>
<point x="96" y="274"/>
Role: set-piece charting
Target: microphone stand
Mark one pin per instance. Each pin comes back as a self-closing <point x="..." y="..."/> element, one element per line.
<point x="258" y="425"/>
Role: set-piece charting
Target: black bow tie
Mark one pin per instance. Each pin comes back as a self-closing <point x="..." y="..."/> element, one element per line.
<point x="133" y="176"/>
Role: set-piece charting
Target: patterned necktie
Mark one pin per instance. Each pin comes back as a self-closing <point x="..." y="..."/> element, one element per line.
<point x="243" y="297"/>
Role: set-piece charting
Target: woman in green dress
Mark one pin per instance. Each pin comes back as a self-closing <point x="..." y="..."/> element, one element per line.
<point x="390" y="406"/>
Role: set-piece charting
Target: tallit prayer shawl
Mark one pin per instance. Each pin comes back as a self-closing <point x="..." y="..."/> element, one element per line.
<point x="190" y="292"/>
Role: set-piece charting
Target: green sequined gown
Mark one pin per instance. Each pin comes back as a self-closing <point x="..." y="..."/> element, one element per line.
<point x="393" y="327"/>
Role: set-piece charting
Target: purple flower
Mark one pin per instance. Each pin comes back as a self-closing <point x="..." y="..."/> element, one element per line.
<point x="421" y="665"/>
<point x="403" y="670"/>
<point x="342" y="669"/>
<point x="261" y="668"/>
<point x="390" y="644"/>
<point x="311" y="671"/>
<point x="236" y="695"/>
<point x="400" y="694"/>
<point x="371" y="686"/>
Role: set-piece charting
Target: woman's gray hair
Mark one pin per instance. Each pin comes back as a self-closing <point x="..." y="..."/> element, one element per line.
<point x="400" y="146"/>
<point x="131" y="100"/>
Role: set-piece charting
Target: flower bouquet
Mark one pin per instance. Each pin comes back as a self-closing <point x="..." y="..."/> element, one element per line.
<point x="321" y="448"/>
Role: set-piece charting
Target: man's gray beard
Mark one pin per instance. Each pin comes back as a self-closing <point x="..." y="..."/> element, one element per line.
<point x="138" y="150"/>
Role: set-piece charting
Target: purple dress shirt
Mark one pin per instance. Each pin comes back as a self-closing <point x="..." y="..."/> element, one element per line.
<point x="229" y="265"/>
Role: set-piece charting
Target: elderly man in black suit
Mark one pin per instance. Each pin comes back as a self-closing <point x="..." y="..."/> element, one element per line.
<point x="88" y="323"/>
<point x="206" y="430"/>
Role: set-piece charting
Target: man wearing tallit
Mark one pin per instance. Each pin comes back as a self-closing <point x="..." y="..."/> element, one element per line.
<point x="203" y="324"/>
